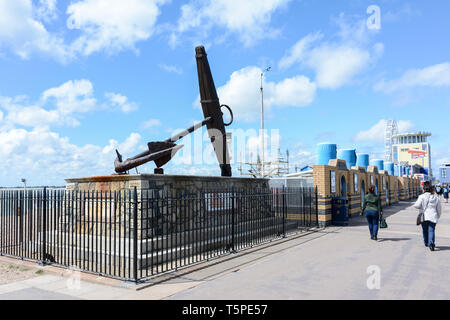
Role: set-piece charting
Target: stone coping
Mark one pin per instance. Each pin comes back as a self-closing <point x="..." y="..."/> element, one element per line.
<point x="157" y="177"/>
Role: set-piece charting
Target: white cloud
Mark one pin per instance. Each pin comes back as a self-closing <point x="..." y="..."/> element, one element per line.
<point x="69" y="100"/>
<point x="335" y="66"/>
<point x="94" y="25"/>
<point x="335" y="63"/>
<point x="60" y="106"/>
<point x="35" y="116"/>
<point x="242" y="93"/>
<point x="127" y="147"/>
<point x="298" y="91"/>
<point x="248" y="19"/>
<point x="44" y="156"/>
<point x="23" y="34"/>
<point x="47" y="11"/>
<point x="297" y="53"/>
<point x="151" y="123"/>
<point x="376" y="132"/>
<point x="121" y="102"/>
<point x="433" y="76"/>
<point x="112" y="25"/>
<point x="48" y="158"/>
<point x="72" y="96"/>
<point x="171" y="69"/>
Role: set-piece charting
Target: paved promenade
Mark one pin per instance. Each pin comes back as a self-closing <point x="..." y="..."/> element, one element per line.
<point x="335" y="263"/>
<point x="335" y="266"/>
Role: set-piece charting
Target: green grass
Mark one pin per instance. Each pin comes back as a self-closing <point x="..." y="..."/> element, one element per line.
<point x="39" y="272"/>
<point x="19" y="268"/>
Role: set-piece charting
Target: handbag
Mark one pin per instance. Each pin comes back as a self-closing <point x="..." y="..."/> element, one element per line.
<point x="383" y="223"/>
<point x="419" y="219"/>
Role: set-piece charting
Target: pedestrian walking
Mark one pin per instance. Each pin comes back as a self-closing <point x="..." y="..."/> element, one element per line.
<point x="439" y="191"/>
<point x="430" y="210"/>
<point x="373" y="211"/>
<point x="446" y="193"/>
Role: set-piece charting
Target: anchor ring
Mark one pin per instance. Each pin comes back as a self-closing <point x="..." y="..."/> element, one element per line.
<point x="231" y="114"/>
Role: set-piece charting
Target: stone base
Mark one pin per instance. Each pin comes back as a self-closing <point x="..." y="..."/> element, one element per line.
<point x="165" y="204"/>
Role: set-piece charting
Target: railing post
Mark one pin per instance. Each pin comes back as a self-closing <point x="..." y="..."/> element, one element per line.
<point x="233" y="213"/>
<point x="44" y="227"/>
<point x="20" y="212"/>
<point x="135" y="235"/>
<point x="317" y="207"/>
<point x="284" y="211"/>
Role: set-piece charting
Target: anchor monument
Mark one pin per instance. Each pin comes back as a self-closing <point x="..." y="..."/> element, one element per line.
<point x="161" y="152"/>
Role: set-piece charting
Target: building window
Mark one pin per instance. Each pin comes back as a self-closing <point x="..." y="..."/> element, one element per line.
<point x="443" y="173"/>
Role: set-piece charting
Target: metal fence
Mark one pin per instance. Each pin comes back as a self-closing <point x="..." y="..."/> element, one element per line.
<point x="133" y="235"/>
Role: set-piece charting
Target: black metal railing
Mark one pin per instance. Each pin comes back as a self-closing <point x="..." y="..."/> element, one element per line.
<point x="133" y="235"/>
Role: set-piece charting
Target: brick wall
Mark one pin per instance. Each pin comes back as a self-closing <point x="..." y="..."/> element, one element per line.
<point x="391" y="189"/>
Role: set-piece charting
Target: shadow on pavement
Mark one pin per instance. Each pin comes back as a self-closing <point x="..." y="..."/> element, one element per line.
<point x="442" y="248"/>
<point x="392" y="239"/>
<point x="356" y="220"/>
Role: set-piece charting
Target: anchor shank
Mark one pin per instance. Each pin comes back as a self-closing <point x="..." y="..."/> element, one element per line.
<point x="189" y="130"/>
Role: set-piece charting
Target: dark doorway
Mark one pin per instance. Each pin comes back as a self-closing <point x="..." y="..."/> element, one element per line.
<point x="343" y="187"/>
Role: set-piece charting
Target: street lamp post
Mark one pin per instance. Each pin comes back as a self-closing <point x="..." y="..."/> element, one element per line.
<point x="262" y="122"/>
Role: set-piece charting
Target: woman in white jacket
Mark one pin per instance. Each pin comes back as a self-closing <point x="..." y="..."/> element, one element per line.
<point x="430" y="205"/>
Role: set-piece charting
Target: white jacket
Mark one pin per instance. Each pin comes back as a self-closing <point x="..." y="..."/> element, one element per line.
<point x="432" y="211"/>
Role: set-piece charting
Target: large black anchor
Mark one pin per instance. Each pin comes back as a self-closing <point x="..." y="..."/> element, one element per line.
<point x="162" y="152"/>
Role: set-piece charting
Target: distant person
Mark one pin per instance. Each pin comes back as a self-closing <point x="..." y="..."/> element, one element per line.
<point x="446" y="190"/>
<point x="439" y="190"/>
<point x="430" y="209"/>
<point x="372" y="209"/>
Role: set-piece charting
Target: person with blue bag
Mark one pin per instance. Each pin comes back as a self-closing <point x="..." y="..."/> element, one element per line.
<point x="373" y="211"/>
<point x="446" y="191"/>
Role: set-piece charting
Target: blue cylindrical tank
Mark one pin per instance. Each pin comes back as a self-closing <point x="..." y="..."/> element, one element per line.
<point x="349" y="155"/>
<point x="326" y="152"/>
<point x="378" y="163"/>
<point x="362" y="160"/>
<point x="389" y="167"/>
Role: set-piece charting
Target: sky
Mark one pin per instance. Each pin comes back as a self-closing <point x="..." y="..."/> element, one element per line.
<point x="81" y="78"/>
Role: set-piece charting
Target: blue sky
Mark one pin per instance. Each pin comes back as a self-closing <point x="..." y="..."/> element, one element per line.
<point x="81" y="78"/>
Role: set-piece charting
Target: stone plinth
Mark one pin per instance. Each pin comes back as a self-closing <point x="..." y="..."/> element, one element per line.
<point x="165" y="204"/>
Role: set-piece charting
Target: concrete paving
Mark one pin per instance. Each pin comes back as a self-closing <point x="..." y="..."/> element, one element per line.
<point x="332" y="263"/>
<point x="346" y="264"/>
